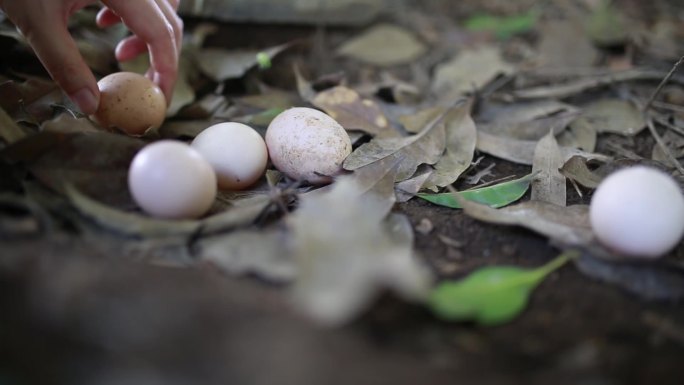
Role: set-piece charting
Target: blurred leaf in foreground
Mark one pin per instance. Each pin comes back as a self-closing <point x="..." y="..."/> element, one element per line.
<point x="491" y="295"/>
<point x="346" y="255"/>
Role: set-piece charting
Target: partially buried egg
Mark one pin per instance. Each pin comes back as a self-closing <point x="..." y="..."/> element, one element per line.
<point x="236" y="152"/>
<point x="307" y="145"/>
<point x="638" y="212"/>
<point x="130" y="102"/>
<point x="169" y="179"/>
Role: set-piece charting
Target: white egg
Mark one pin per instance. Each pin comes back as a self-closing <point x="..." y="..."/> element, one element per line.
<point x="237" y="153"/>
<point x="169" y="179"/>
<point x="638" y="212"/>
<point x="308" y="145"/>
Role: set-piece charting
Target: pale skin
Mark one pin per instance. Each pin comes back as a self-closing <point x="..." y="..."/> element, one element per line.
<point x="155" y="27"/>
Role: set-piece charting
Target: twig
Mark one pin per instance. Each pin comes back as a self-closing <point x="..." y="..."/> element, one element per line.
<point x="669" y="125"/>
<point x="663" y="83"/>
<point x="663" y="146"/>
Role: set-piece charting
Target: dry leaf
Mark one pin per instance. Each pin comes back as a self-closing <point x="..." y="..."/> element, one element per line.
<point x="576" y="169"/>
<point x="415" y="123"/>
<point x="549" y="184"/>
<point x="527" y="121"/>
<point x="615" y="116"/>
<point x="565" y="45"/>
<point x="353" y="112"/>
<point x="384" y="45"/>
<point x="580" y="134"/>
<point x="568" y="226"/>
<point x="10" y="132"/>
<point x="469" y="71"/>
<point x="461" y="135"/>
<point x="258" y="252"/>
<point x="346" y="256"/>
<point x="221" y="65"/>
<point x="674" y="142"/>
<point x="522" y="151"/>
<point x="407" y="189"/>
<point x="95" y="163"/>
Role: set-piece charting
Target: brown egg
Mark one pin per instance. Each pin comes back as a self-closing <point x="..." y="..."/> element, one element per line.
<point x="130" y="102"/>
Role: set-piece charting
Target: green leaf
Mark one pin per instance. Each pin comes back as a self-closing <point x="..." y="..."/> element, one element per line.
<point x="491" y="295"/>
<point x="498" y="195"/>
<point x="263" y="60"/>
<point x="503" y="27"/>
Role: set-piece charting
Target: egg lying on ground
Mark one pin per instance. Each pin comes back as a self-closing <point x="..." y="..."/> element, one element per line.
<point x="130" y="102"/>
<point x="236" y="152"/>
<point x="169" y="179"/>
<point x="638" y="212"/>
<point x="308" y="145"/>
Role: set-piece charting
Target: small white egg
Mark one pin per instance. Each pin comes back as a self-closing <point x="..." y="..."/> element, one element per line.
<point x="169" y="179"/>
<point x="638" y="212"/>
<point x="308" y="145"/>
<point x="237" y="153"/>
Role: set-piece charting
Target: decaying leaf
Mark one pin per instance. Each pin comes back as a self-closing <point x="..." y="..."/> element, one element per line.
<point x="10" y="132"/>
<point x="221" y="65"/>
<point x="549" y="184"/>
<point x="423" y="148"/>
<point x="407" y="189"/>
<point x="674" y="142"/>
<point x="384" y="45"/>
<point x="607" y="25"/>
<point x="469" y="71"/>
<point x="345" y="255"/>
<point x="491" y="295"/>
<point x="14" y="94"/>
<point x="243" y="252"/>
<point x="129" y="223"/>
<point x="527" y="121"/>
<point x="244" y="212"/>
<point x="415" y="123"/>
<point x="580" y="134"/>
<point x="96" y="163"/>
<point x="564" y="45"/>
<point x="353" y="112"/>
<point x="495" y="196"/>
<point x="650" y="281"/>
<point x="461" y="135"/>
<point x="522" y="151"/>
<point x="614" y="116"/>
<point x="577" y="170"/>
<point x="568" y="226"/>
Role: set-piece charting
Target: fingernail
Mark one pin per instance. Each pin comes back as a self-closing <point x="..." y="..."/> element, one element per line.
<point x="85" y="100"/>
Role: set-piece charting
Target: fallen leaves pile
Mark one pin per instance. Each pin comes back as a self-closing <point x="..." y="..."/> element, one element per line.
<point x="429" y="120"/>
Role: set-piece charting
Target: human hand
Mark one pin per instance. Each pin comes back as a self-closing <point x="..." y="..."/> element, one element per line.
<point x="154" y="23"/>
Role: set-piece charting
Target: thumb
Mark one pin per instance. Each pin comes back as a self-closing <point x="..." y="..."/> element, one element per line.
<point x="57" y="50"/>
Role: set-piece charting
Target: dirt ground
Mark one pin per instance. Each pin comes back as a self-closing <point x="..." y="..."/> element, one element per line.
<point x="75" y="311"/>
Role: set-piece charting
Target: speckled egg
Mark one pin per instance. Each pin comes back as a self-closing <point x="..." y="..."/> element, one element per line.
<point x="130" y="102"/>
<point x="307" y="145"/>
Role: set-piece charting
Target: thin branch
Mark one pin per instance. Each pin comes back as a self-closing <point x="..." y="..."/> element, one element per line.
<point x="663" y="146"/>
<point x="663" y="83"/>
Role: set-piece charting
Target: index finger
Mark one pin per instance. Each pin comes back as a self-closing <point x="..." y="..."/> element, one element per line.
<point x="147" y="21"/>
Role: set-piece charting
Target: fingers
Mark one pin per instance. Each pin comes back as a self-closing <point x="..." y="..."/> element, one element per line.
<point x="155" y="24"/>
<point x="129" y="48"/>
<point x="46" y="31"/>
